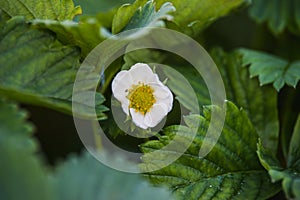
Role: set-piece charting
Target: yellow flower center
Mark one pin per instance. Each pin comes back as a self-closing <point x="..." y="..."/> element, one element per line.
<point x="141" y="98"/>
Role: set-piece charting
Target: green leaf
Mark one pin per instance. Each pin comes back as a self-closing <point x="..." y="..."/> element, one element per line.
<point x="40" y="9"/>
<point x="190" y="17"/>
<point x="86" y="178"/>
<point x="294" y="150"/>
<point x="86" y="34"/>
<point x="290" y="180"/>
<point x="92" y="7"/>
<point x="124" y="15"/>
<point x="279" y="14"/>
<point x="147" y="16"/>
<point x="290" y="176"/>
<point x="260" y="103"/>
<point x="142" y="56"/>
<point x="178" y="81"/>
<point x="271" y="69"/>
<point x="231" y="170"/>
<point x="22" y="175"/>
<point x="12" y="121"/>
<point x="267" y="158"/>
<point x="37" y="69"/>
<point x="140" y="15"/>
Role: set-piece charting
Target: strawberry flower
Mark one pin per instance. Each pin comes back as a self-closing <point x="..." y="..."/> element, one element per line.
<point x="142" y="95"/>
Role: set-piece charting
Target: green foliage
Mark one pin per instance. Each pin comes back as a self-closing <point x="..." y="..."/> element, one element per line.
<point x="271" y="69"/>
<point x="190" y="17"/>
<point x="288" y="117"/>
<point x="294" y="150"/>
<point x="21" y="174"/>
<point x="279" y="14"/>
<point x="260" y="103"/>
<point x="86" y="178"/>
<point x="178" y="83"/>
<point x="290" y="176"/>
<point x="231" y="170"/>
<point x="43" y="44"/>
<point x="40" y="9"/>
<point x="143" y="15"/>
<point x="74" y="33"/>
<point x="142" y="56"/>
<point x="37" y="69"/>
<point x="92" y="7"/>
<point x="147" y="16"/>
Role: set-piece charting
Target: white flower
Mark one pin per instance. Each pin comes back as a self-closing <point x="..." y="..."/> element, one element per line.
<point x="142" y="95"/>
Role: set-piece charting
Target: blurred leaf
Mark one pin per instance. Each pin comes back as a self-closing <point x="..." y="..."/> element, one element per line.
<point x="294" y="150"/>
<point x="12" y="121"/>
<point x="290" y="176"/>
<point x="178" y="81"/>
<point x="289" y="109"/>
<point x="21" y="172"/>
<point x="279" y="14"/>
<point x="86" y="34"/>
<point x="271" y="69"/>
<point x="41" y="9"/>
<point x="143" y="15"/>
<point x="35" y="68"/>
<point x="231" y="170"/>
<point x="93" y="7"/>
<point x="142" y="56"/>
<point x="190" y="17"/>
<point x="22" y="175"/>
<point x="86" y="178"/>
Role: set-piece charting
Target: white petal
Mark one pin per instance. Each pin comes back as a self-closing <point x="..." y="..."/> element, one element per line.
<point x="163" y="95"/>
<point x="138" y="119"/>
<point x="155" y="115"/>
<point x="120" y="85"/>
<point x="167" y="102"/>
<point x="141" y="72"/>
<point x="125" y="106"/>
<point x="160" y="90"/>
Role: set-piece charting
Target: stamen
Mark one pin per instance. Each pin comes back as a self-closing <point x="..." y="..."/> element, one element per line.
<point x="141" y="98"/>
